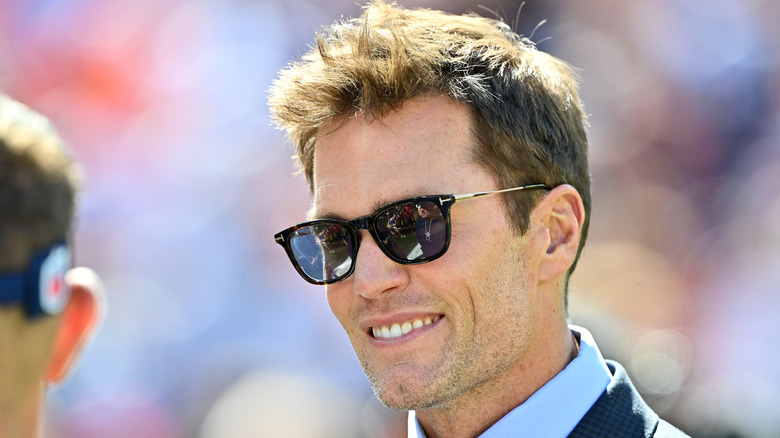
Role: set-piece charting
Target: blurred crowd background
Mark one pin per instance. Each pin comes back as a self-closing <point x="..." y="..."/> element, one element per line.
<point x="210" y="332"/>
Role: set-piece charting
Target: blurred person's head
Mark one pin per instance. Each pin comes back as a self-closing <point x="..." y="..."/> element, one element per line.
<point x="47" y="309"/>
<point x="400" y="108"/>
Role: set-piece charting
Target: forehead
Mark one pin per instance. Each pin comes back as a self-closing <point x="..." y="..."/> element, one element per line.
<point x="424" y="148"/>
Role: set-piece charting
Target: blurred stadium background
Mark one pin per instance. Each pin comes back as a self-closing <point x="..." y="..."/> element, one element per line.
<point x="210" y="332"/>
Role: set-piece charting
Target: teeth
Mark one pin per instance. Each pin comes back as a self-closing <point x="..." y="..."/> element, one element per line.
<point x="399" y="329"/>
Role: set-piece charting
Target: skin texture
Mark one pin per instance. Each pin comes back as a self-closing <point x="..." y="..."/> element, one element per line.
<point x="501" y="332"/>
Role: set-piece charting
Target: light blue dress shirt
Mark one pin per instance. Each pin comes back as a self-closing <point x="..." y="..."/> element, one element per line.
<point x="556" y="408"/>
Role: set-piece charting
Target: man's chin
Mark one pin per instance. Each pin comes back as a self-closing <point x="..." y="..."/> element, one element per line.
<point x="402" y="402"/>
<point x="405" y="396"/>
<point x="408" y="385"/>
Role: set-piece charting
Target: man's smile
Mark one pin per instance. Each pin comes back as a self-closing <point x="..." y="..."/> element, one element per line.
<point x="398" y="329"/>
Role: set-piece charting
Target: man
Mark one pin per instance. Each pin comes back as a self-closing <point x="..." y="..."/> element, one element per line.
<point x="460" y="116"/>
<point x="47" y="310"/>
<point x="430" y="229"/>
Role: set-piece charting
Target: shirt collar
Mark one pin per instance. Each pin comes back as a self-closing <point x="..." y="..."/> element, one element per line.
<point x="580" y="384"/>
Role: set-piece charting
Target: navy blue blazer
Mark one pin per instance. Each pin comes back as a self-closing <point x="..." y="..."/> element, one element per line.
<point x="621" y="412"/>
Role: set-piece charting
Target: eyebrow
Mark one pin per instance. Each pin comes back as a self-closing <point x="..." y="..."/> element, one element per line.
<point x="376" y="205"/>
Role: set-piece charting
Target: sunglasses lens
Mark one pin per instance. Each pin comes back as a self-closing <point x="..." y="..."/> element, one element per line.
<point x="323" y="251"/>
<point x="413" y="231"/>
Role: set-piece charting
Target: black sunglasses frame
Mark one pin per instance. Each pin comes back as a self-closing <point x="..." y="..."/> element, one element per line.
<point x="444" y="202"/>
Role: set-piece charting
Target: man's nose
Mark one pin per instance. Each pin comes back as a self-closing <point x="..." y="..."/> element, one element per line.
<point x="375" y="273"/>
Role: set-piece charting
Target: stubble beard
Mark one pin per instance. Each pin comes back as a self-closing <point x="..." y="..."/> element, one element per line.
<point x="434" y="388"/>
<point x="462" y="367"/>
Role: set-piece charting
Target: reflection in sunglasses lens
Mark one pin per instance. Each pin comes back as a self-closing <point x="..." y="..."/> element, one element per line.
<point x="323" y="251"/>
<point x="413" y="230"/>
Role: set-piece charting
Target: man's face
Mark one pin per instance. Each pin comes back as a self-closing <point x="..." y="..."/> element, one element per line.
<point x="470" y="312"/>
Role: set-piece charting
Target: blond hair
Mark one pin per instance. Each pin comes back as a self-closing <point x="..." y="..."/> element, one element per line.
<point x="526" y="115"/>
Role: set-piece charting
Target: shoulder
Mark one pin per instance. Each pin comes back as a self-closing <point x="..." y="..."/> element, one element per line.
<point x="621" y="411"/>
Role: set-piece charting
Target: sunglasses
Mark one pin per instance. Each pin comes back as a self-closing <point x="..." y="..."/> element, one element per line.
<point x="409" y="232"/>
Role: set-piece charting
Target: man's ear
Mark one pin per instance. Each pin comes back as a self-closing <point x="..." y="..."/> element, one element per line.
<point x="563" y="213"/>
<point x="78" y="321"/>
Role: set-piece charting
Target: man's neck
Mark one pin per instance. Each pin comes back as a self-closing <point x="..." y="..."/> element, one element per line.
<point x="21" y="418"/>
<point x="475" y="411"/>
